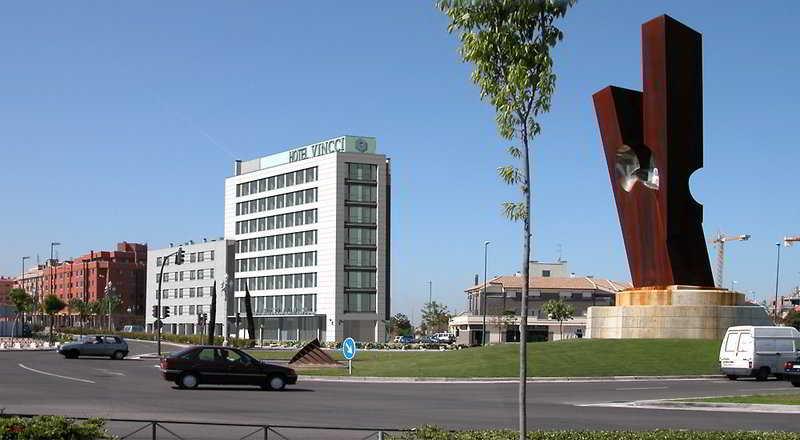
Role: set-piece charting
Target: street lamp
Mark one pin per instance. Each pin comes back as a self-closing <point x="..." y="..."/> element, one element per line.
<point x="485" y="263"/>
<point x="22" y="283"/>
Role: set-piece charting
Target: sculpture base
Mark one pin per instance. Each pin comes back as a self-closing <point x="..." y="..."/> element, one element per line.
<point x="683" y="312"/>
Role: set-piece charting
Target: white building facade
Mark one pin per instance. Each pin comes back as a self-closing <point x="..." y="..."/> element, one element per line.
<point x="311" y="230"/>
<point x="186" y="289"/>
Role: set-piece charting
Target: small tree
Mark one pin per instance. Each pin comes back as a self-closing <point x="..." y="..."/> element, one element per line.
<point x="560" y="311"/>
<point x="22" y="302"/>
<point x="509" y="42"/>
<point x="508" y="319"/>
<point x="95" y="310"/>
<point x="52" y="304"/>
<point x="792" y="319"/>
<point x="435" y="317"/>
<point x="400" y="325"/>
<point x="82" y="308"/>
<point x="108" y="305"/>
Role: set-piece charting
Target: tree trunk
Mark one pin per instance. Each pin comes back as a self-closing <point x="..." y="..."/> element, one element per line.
<point x="523" y="321"/>
<point x="51" y="328"/>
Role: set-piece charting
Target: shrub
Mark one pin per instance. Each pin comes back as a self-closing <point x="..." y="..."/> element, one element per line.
<point x="433" y="433"/>
<point x="52" y="428"/>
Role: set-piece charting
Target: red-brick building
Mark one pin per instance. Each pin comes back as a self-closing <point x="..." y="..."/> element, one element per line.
<point x="87" y="276"/>
<point x="6" y="284"/>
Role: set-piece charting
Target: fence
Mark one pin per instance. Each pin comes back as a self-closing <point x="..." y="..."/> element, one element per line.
<point x="150" y="429"/>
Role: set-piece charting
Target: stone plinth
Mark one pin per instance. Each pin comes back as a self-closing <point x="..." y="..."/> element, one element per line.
<point x="683" y="312"/>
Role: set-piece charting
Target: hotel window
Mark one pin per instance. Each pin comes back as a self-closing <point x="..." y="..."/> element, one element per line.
<point x="191" y="310"/>
<point x="201" y="256"/>
<point x="192" y="257"/>
<point x="361" y="214"/>
<point x="200" y="309"/>
<point x="360" y="302"/>
<point x="200" y="291"/>
<point x="361" y="193"/>
<point x="362" y="171"/>
<point x="211" y="255"/>
<point x="359" y="279"/>
<point x="201" y="274"/>
<point x="280" y="181"/>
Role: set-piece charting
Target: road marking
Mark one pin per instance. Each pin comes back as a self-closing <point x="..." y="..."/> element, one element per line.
<point x="641" y="388"/>
<point x="115" y="373"/>
<point x="56" y="375"/>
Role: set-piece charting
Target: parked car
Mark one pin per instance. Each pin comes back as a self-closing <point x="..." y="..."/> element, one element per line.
<point x="404" y="339"/>
<point x="133" y="329"/>
<point x="445" y="338"/>
<point x="751" y="351"/>
<point x="428" y="339"/>
<point x="213" y="365"/>
<point x="791" y="372"/>
<point x="96" y="345"/>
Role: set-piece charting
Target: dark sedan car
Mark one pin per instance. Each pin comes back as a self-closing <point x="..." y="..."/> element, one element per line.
<point x="791" y="372"/>
<point x="211" y="365"/>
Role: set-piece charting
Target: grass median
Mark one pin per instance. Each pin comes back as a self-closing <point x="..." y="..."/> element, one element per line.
<point x="768" y="399"/>
<point x="576" y="357"/>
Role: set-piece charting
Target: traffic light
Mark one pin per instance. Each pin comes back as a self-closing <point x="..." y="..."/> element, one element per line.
<point x="155" y="311"/>
<point x="180" y="256"/>
<point x="166" y="312"/>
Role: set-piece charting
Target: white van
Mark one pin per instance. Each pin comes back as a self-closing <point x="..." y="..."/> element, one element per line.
<point x="759" y="352"/>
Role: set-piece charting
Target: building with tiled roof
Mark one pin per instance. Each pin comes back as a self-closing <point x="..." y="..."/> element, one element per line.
<point x="547" y="281"/>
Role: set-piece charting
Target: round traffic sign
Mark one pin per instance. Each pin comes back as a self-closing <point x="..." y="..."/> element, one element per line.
<point x="349" y="348"/>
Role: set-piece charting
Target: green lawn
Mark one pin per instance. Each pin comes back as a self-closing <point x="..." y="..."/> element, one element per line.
<point x="576" y="357"/>
<point x="774" y="399"/>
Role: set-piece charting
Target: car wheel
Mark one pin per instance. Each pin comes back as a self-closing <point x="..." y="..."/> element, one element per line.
<point x="763" y="374"/>
<point x="118" y="355"/>
<point x="188" y="380"/>
<point x="276" y="382"/>
<point x="732" y="377"/>
<point x="796" y="383"/>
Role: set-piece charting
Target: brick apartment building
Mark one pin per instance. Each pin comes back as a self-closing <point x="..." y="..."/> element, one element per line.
<point x="6" y="284"/>
<point x="86" y="277"/>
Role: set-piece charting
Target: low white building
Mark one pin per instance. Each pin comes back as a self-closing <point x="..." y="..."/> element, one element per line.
<point x="186" y="289"/>
<point x="547" y="281"/>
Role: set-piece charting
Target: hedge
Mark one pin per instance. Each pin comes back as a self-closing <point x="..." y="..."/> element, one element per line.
<point x="433" y="433"/>
<point x="52" y="428"/>
<point x="244" y="343"/>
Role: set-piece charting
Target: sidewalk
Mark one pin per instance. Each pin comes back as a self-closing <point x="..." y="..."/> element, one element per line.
<point x="467" y="380"/>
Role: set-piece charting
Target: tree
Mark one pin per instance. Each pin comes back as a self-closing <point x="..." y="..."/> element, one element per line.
<point x="95" y="309"/>
<point x="508" y="318"/>
<point x="435" y="317"/>
<point x="509" y="43"/>
<point x="792" y="319"/>
<point x="52" y="304"/>
<point x="560" y="311"/>
<point x="22" y="302"/>
<point x="82" y="308"/>
<point x="108" y="305"/>
<point x="400" y="325"/>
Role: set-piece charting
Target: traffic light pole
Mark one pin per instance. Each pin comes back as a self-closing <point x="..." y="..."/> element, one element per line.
<point x="160" y="279"/>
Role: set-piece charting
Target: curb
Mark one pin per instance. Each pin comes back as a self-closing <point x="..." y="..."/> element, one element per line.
<point x="463" y="380"/>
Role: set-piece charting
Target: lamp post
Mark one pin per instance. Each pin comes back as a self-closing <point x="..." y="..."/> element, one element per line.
<point x="22" y="283"/>
<point x="483" y="306"/>
<point x="52" y="271"/>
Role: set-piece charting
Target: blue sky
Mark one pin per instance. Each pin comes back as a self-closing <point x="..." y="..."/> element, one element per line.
<point x="121" y="121"/>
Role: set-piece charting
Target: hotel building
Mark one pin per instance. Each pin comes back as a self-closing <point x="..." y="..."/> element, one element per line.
<point x="311" y="231"/>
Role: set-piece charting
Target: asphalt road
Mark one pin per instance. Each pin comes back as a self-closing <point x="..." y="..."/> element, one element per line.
<point x="46" y="383"/>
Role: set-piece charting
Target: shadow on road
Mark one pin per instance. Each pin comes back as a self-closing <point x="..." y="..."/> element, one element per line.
<point x="252" y="389"/>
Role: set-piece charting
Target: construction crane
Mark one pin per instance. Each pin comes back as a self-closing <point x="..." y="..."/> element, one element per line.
<point x="720" y="241"/>
<point x="789" y="240"/>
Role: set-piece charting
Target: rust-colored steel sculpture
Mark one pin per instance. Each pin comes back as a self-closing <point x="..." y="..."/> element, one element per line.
<point x="653" y="141"/>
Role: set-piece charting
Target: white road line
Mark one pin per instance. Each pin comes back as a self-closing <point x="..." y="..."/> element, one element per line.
<point x="56" y="375"/>
<point x="115" y="373"/>
<point x="641" y="388"/>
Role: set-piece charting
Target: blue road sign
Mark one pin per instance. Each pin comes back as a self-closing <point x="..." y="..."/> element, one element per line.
<point x="349" y="348"/>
